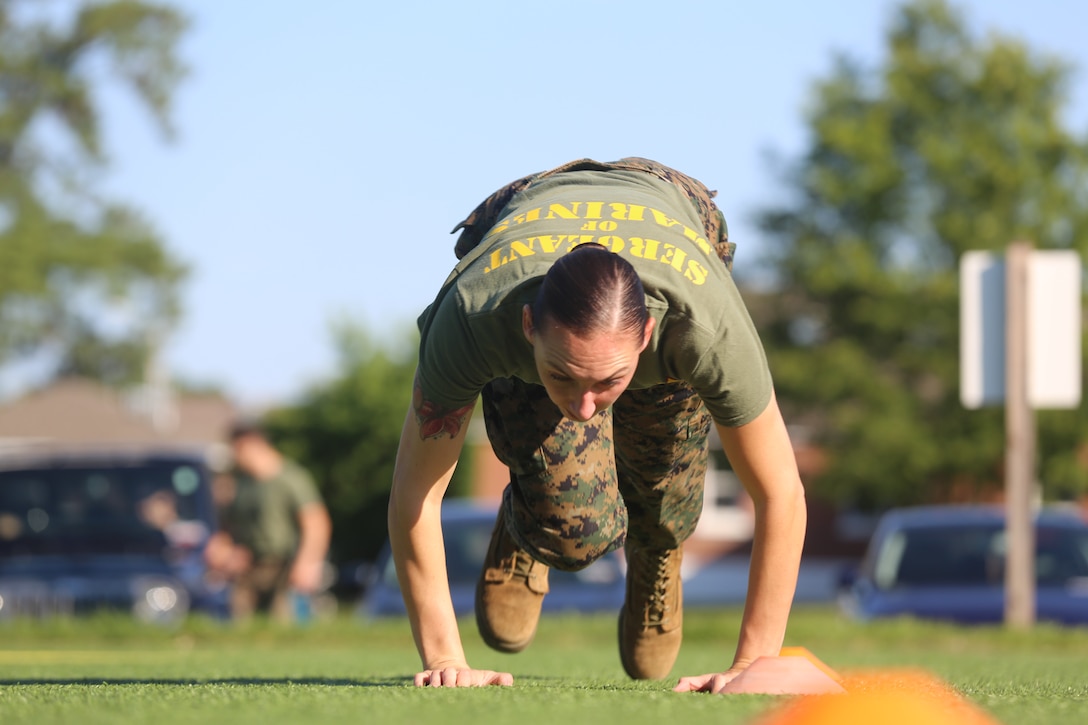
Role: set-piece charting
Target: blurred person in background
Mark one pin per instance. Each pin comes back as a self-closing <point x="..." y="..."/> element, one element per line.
<point x="274" y="530"/>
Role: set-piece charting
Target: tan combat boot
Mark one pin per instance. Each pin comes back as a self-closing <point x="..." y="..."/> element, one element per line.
<point x="652" y="616"/>
<point x="509" y="594"/>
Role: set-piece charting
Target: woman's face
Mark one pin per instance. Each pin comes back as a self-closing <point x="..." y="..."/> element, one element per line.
<point x="584" y="375"/>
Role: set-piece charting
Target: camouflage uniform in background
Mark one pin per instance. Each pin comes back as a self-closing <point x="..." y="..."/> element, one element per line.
<point x="578" y="489"/>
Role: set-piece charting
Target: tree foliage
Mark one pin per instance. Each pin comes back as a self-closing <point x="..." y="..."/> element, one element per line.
<point x="952" y="143"/>
<point x="84" y="281"/>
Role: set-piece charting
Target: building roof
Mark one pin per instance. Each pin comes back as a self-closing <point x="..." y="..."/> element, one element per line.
<point x="83" y="412"/>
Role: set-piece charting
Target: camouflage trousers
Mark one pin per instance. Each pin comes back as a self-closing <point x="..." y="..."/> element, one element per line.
<point x="578" y="490"/>
<point x="263" y="588"/>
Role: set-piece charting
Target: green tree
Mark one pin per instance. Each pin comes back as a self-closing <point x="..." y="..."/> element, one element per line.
<point x="84" y="281"/>
<point x="952" y="143"/>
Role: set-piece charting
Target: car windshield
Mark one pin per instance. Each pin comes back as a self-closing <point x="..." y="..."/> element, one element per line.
<point x="53" y="509"/>
<point x="974" y="555"/>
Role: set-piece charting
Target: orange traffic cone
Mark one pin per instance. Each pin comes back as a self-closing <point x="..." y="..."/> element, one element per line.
<point x="889" y="698"/>
<point x="796" y="671"/>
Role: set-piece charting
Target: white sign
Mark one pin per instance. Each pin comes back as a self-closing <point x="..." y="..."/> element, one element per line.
<point x="1054" y="329"/>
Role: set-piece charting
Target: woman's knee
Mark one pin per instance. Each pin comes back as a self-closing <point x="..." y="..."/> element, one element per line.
<point x="570" y="540"/>
<point x="572" y="555"/>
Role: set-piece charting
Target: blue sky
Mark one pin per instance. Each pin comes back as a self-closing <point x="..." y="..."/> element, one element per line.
<point x="326" y="149"/>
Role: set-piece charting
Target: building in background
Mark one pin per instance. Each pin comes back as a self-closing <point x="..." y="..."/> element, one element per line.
<point x="76" y="412"/>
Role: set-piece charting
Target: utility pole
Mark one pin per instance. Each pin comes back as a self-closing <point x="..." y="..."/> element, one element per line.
<point x="157" y="392"/>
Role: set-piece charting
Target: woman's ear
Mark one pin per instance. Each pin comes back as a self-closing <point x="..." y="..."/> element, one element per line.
<point x="647" y="332"/>
<point x="527" y="323"/>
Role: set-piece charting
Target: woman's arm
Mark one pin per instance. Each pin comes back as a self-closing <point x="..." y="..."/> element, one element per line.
<point x="430" y="444"/>
<point x="762" y="457"/>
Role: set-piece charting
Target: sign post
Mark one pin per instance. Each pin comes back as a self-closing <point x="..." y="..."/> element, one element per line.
<point x="1020" y="345"/>
<point x="1019" y="446"/>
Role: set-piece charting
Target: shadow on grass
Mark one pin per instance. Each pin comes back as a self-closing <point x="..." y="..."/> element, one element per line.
<point x="533" y="681"/>
<point x="271" y="681"/>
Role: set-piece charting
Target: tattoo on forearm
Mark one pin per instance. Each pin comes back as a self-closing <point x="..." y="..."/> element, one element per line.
<point x="434" y="420"/>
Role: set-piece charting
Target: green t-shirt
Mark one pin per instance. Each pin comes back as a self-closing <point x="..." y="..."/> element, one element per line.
<point x="263" y="516"/>
<point x="471" y="334"/>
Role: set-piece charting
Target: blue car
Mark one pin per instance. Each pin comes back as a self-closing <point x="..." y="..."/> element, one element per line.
<point x="119" y="529"/>
<point x="467" y="527"/>
<point x="948" y="563"/>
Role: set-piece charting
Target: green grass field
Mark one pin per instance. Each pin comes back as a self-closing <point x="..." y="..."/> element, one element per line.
<point x="107" y="670"/>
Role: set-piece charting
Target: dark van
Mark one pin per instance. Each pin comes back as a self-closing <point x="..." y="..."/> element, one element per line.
<point x="88" y="530"/>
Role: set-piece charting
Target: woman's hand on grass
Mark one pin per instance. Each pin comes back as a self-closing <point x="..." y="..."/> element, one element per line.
<point x="713" y="683"/>
<point x="463" y="676"/>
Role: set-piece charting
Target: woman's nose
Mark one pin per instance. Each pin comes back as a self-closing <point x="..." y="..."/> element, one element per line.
<point x="583" y="408"/>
